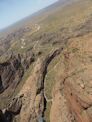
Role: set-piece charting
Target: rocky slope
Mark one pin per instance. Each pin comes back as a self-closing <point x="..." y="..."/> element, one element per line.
<point x="72" y="96"/>
<point x="13" y="69"/>
<point x="31" y="100"/>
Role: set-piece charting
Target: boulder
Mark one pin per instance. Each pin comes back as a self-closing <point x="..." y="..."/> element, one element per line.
<point x="15" y="106"/>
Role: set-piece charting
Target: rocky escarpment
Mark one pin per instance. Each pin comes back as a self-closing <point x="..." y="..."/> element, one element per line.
<point x="12" y="71"/>
<point x="72" y="95"/>
<point x="31" y="100"/>
<point x="34" y="102"/>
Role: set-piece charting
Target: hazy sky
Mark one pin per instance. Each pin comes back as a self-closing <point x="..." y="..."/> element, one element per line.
<point x="12" y="11"/>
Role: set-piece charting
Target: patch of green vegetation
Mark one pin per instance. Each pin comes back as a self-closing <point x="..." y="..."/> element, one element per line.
<point x="74" y="50"/>
<point x="70" y="16"/>
<point x="52" y="75"/>
<point x="3" y="59"/>
<point x="47" y="112"/>
<point x="50" y="82"/>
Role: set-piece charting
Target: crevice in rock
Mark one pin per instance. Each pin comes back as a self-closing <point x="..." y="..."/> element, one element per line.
<point x="47" y="62"/>
<point x="42" y="70"/>
<point x="1" y="85"/>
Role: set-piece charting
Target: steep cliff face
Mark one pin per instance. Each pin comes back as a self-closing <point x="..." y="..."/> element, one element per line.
<point x="12" y="71"/>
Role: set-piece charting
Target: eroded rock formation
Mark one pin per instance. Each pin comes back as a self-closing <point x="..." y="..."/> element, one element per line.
<point x="72" y="98"/>
<point x="12" y="71"/>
